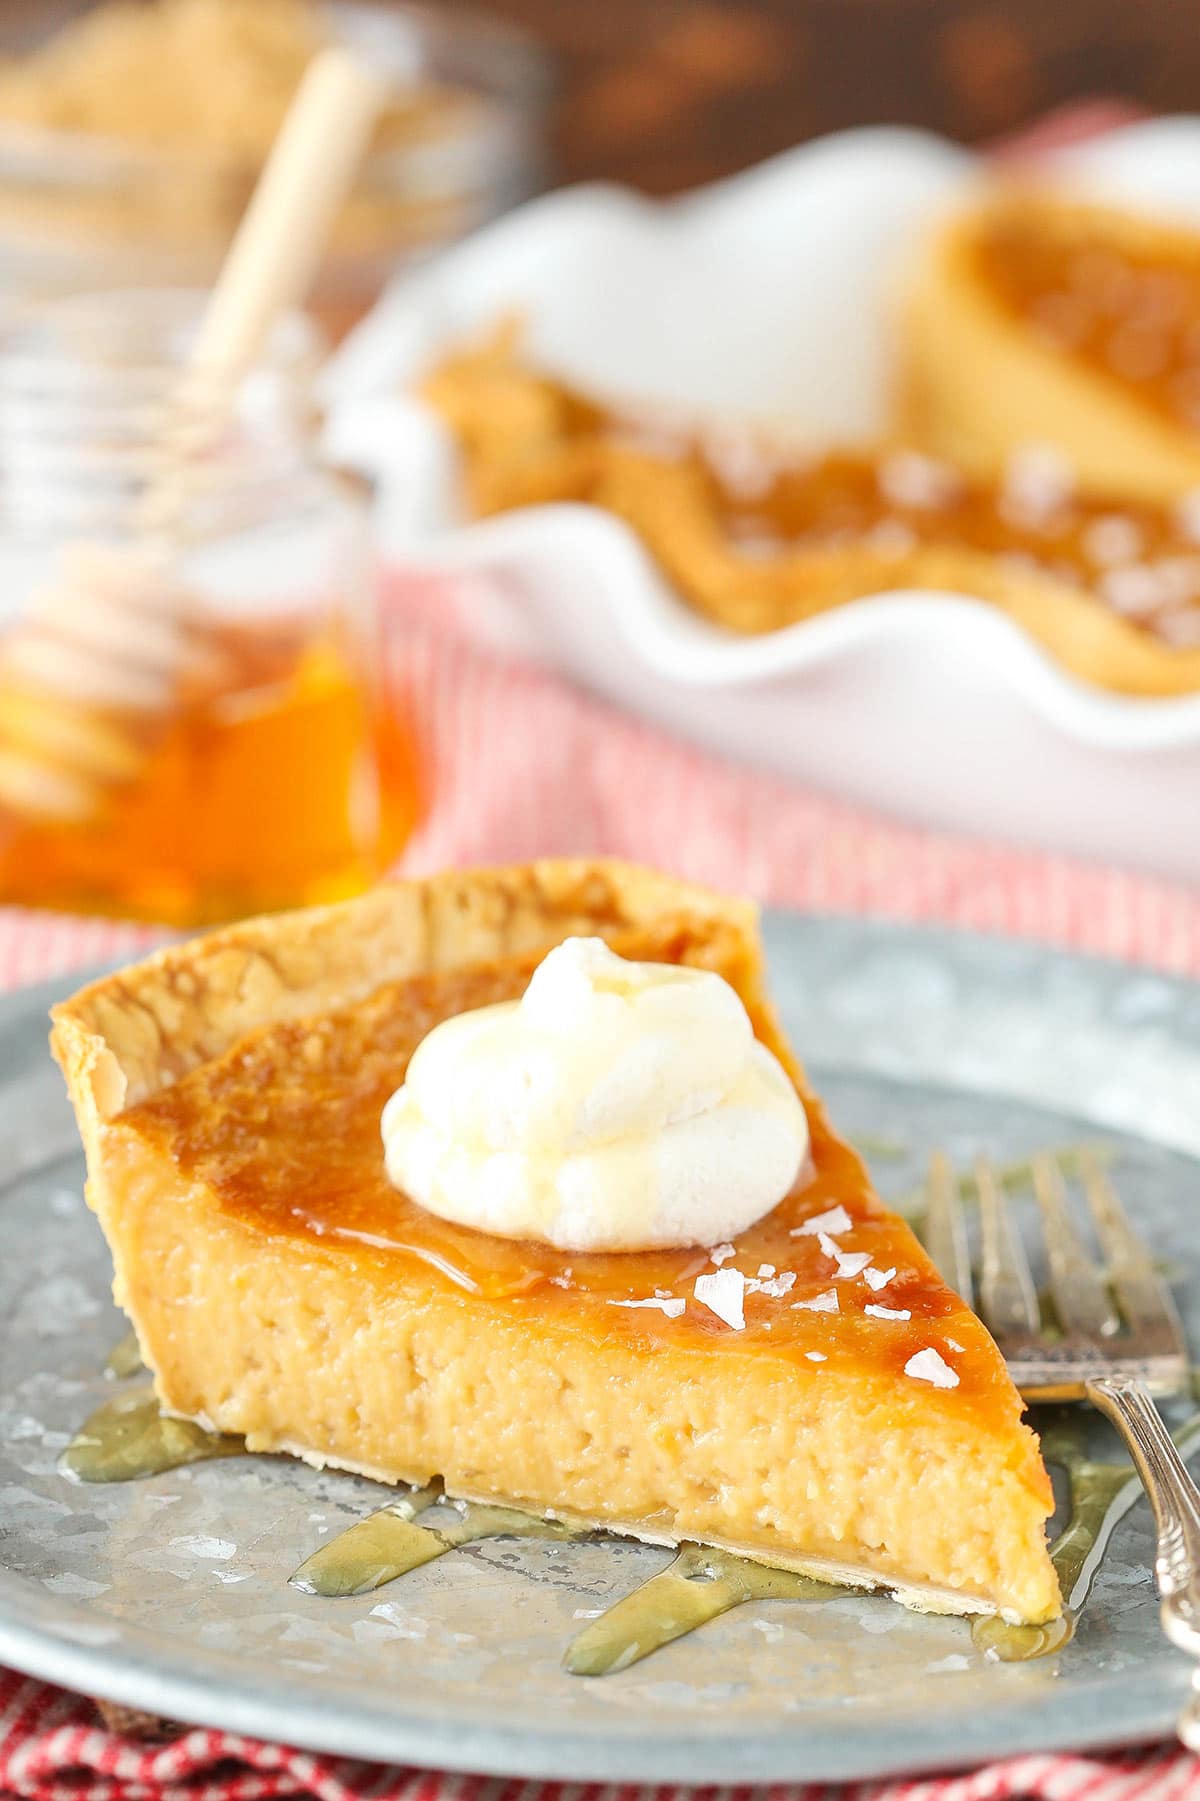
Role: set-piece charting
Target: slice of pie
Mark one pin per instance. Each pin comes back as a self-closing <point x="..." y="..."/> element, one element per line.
<point x="842" y="1413"/>
<point x="1041" y="317"/>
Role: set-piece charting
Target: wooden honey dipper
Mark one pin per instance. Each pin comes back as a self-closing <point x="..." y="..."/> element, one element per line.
<point x="94" y="667"/>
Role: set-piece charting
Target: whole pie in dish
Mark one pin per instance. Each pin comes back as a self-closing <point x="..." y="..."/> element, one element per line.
<point x="1037" y="316"/>
<point x="845" y="1415"/>
<point x="759" y="537"/>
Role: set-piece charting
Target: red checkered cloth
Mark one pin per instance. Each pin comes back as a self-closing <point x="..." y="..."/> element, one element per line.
<point x="52" y="1750"/>
<point x="517" y="765"/>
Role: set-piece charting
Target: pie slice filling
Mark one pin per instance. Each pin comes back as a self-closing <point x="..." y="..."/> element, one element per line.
<point x="828" y="1405"/>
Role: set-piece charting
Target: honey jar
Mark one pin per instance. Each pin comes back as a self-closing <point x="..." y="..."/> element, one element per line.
<point x="193" y="724"/>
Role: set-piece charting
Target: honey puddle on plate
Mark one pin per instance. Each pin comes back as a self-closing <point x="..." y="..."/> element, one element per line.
<point x="129" y="1437"/>
<point x="125" y="1358"/>
<point x="387" y="1544"/>
<point x="699" y="1586"/>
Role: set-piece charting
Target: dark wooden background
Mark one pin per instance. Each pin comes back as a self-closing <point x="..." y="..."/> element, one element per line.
<point x="666" y="93"/>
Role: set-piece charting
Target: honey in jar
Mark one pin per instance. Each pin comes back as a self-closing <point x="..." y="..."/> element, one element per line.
<point x="192" y="728"/>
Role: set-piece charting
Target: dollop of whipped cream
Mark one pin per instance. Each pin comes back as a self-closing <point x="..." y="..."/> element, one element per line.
<point x="617" y="1106"/>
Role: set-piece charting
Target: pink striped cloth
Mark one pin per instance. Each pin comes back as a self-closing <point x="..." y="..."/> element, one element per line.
<point x="516" y="765"/>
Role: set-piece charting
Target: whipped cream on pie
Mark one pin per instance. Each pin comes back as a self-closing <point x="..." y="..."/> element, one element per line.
<point x="617" y="1106"/>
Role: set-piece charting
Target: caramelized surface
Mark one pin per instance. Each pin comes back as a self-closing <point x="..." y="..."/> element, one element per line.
<point x="1137" y="558"/>
<point x="1121" y="297"/>
<point x="285" y="1131"/>
<point x="757" y="536"/>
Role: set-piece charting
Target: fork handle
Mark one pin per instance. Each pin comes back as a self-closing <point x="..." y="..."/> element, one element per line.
<point x="1175" y="1501"/>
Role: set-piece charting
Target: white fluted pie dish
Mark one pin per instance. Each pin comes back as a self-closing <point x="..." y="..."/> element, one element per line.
<point x="766" y="298"/>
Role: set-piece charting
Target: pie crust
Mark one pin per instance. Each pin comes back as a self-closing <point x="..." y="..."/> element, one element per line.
<point x="978" y="382"/>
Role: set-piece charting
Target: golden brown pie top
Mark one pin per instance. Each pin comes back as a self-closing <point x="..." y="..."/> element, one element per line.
<point x="1119" y="294"/>
<point x="1136" y="557"/>
<point x="284" y="1129"/>
<point x="759" y="536"/>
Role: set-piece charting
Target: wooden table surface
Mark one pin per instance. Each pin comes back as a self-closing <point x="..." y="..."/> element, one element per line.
<point x="667" y="93"/>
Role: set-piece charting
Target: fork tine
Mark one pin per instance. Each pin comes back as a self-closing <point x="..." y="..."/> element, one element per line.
<point x="946" y="1229"/>
<point x="1081" y="1297"/>
<point x="1009" y="1302"/>
<point x="1143" y="1295"/>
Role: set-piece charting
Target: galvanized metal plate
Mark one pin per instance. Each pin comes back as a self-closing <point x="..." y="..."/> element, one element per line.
<point x="170" y="1594"/>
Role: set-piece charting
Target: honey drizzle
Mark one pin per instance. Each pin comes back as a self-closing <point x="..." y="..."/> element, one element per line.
<point x="700" y="1585"/>
<point x="388" y="1544"/>
<point x="130" y="1437"/>
<point x="125" y="1358"/>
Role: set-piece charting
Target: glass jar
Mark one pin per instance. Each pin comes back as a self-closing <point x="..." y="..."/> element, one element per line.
<point x="96" y="190"/>
<point x="192" y="726"/>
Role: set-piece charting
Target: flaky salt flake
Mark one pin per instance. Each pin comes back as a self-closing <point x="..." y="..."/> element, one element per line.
<point x="821" y="1303"/>
<point x="849" y="1263"/>
<point x="1180" y="577"/>
<point x="766" y="1269"/>
<point x="1181" y="630"/>
<point x="953" y="1344"/>
<point x="887" y="1312"/>
<point x="1135" y="589"/>
<point x="816" y="1356"/>
<point x="878" y="1278"/>
<point x="831" y="1223"/>
<point x="652" y="436"/>
<point x="1038" y="484"/>
<point x="891" y="538"/>
<point x="665" y="1304"/>
<point x="1021" y="563"/>
<point x="724" y="1293"/>
<point x="928" y="1366"/>
<point x="721" y="1253"/>
<point x="909" y="479"/>
<point x="1187" y="516"/>
<point x="755" y="544"/>
<point x="741" y="460"/>
<point x="775" y="1286"/>
<point x="1111" y="539"/>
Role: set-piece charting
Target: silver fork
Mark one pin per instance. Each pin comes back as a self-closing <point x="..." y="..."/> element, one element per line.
<point x="1122" y="1343"/>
